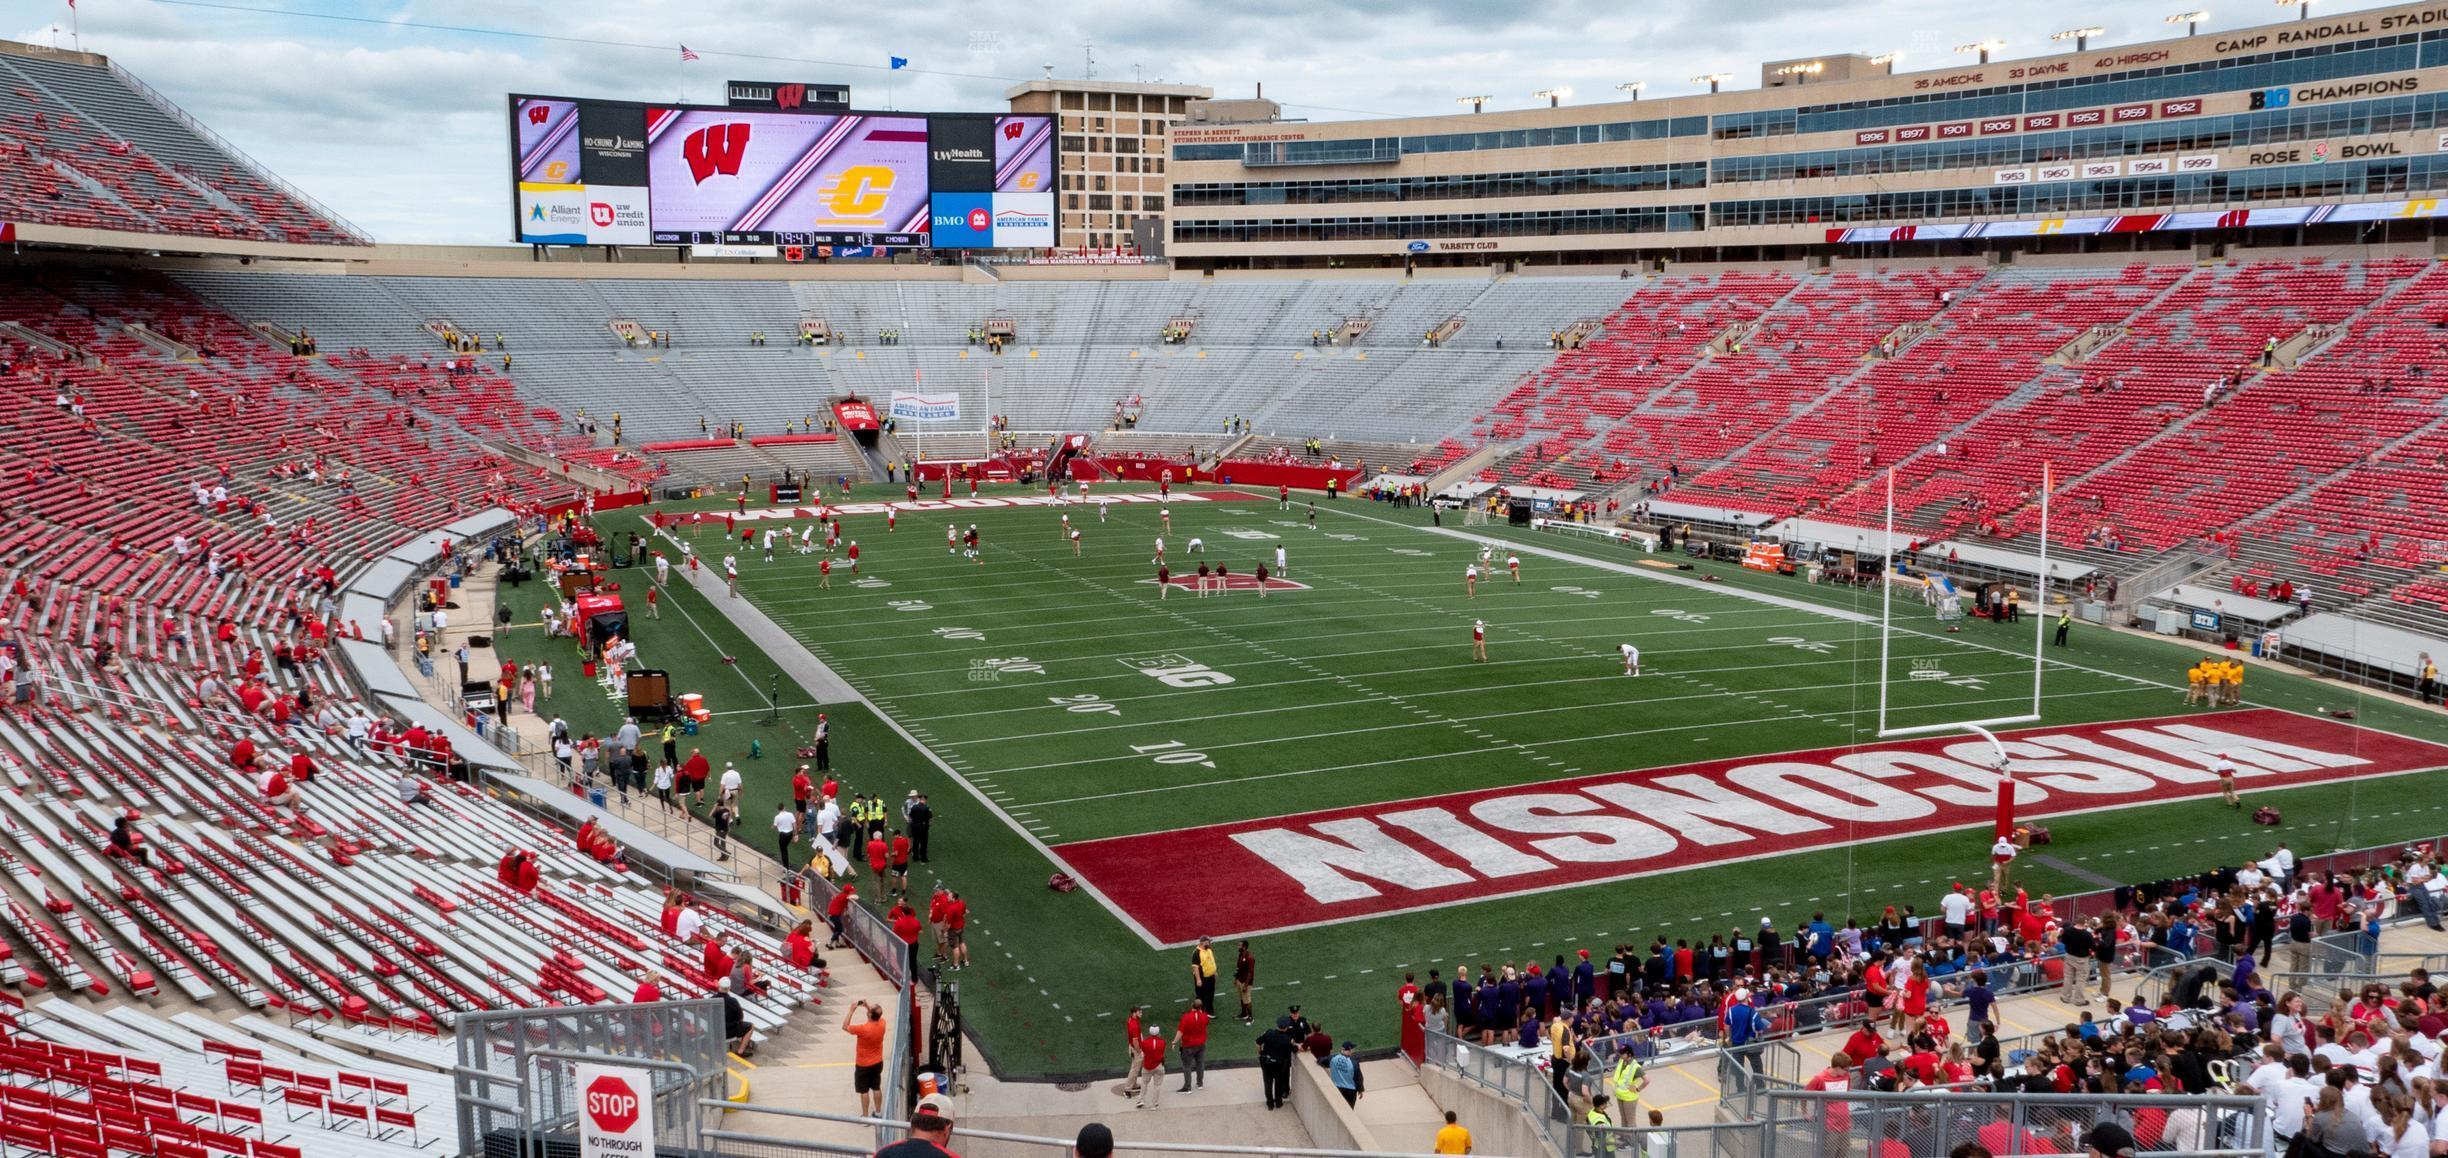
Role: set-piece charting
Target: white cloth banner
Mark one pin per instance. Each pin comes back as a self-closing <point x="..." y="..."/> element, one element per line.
<point x="925" y="407"/>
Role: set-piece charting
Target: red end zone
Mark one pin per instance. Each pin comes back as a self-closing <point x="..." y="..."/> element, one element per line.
<point x="1350" y="863"/>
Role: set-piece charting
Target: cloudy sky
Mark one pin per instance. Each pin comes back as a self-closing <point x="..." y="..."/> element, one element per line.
<point x="392" y="113"/>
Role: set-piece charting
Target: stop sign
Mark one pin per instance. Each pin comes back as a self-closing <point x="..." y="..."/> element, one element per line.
<point x="611" y="1104"/>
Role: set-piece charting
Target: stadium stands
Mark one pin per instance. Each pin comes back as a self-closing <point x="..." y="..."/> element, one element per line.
<point x="91" y="146"/>
<point x="1758" y="391"/>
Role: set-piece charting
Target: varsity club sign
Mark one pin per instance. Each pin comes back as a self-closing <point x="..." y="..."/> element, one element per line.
<point x="1377" y="860"/>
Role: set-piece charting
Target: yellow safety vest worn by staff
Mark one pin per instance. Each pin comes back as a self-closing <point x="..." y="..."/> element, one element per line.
<point x="1627" y="1079"/>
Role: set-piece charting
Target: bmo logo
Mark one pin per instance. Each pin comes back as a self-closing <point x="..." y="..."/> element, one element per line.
<point x="980" y="220"/>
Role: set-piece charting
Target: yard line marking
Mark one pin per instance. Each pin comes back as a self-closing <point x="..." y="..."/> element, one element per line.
<point x="1533" y="744"/>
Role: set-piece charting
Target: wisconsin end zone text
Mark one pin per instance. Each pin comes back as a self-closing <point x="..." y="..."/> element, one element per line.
<point x="1351" y="863"/>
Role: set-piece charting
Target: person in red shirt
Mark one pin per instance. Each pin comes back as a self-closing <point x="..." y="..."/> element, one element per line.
<point x="878" y="854"/>
<point x="824" y="573"/>
<point x="1190" y="1039"/>
<point x="900" y="863"/>
<point x="251" y="697"/>
<point x="694" y="772"/>
<point x="242" y="755"/>
<point x="905" y="925"/>
<point x="832" y="788"/>
<point x="854" y="556"/>
<point x="956" y="929"/>
<point x="648" y="990"/>
<point x="936" y="906"/>
<point x="1837" y="1076"/>
<point x="302" y="768"/>
<point x="803" y="795"/>
<point x="528" y="875"/>
<point x="717" y="962"/>
<point x="1151" y="1068"/>
<point x="800" y="947"/>
<point x="278" y="791"/>
<point x="834" y="909"/>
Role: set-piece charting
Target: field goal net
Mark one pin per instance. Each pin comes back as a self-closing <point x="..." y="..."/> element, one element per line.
<point x="1474" y="516"/>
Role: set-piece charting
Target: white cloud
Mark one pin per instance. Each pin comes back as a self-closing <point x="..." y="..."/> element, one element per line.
<point x="402" y="130"/>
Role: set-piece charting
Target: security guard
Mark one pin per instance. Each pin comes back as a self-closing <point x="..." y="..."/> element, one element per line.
<point x="1602" y="1143"/>
<point x="1625" y="1084"/>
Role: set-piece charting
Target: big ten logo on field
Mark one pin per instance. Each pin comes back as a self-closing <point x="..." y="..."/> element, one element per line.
<point x="1246" y="533"/>
<point x="1177" y="671"/>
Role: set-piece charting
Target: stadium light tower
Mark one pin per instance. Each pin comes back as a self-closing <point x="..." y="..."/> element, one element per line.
<point x="1555" y="96"/>
<point x="1478" y="103"/>
<point x="1983" y="47"/>
<point x="1887" y="60"/>
<point x="1713" y="79"/>
<point x="1802" y="72"/>
<point x="2303" y="8"/>
<point x="2080" y="36"/>
<point x="1633" y="87"/>
<point x="2191" y="20"/>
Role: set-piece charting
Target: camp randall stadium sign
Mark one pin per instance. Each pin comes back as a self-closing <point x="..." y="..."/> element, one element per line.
<point x="1344" y="864"/>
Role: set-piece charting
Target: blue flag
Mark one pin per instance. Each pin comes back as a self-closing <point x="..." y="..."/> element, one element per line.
<point x="899" y="61"/>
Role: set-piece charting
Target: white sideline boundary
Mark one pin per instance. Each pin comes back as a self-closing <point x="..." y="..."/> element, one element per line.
<point x="797" y="660"/>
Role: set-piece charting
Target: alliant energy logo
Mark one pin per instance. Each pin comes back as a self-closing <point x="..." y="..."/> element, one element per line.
<point x="1376" y="860"/>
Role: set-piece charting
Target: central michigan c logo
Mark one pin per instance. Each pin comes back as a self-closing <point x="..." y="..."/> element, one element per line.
<point x="860" y="191"/>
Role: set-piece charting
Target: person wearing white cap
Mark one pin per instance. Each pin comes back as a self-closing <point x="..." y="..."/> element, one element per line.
<point x="930" y="1130"/>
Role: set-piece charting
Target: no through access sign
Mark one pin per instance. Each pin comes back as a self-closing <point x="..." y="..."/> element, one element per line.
<point x="615" y="1112"/>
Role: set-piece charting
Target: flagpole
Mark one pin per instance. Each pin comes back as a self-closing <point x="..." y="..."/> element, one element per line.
<point x="74" y="37"/>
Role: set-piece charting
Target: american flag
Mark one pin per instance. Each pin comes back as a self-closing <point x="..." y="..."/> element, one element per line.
<point x="685" y="54"/>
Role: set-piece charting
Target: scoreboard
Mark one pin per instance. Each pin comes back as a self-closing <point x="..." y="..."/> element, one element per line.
<point x="591" y="172"/>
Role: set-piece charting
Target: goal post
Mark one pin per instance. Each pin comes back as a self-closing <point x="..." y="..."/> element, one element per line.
<point x="1980" y="727"/>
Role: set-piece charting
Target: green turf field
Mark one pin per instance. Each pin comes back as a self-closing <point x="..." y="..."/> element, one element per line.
<point x="1028" y="676"/>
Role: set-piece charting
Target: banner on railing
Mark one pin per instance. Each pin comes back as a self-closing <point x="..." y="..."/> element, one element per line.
<point x="925" y="407"/>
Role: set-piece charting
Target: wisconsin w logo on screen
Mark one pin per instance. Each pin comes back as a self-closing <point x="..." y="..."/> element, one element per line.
<point x="715" y="149"/>
<point x="857" y="196"/>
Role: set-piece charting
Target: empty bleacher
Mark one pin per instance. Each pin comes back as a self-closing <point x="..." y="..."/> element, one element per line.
<point x="90" y="146"/>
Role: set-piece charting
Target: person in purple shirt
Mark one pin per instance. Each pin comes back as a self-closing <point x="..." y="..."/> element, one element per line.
<point x="1466" y="1012"/>
<point x="1585" y="980"/>
<point x="1978" y="1000"/>
<point x="1534" y="994"/>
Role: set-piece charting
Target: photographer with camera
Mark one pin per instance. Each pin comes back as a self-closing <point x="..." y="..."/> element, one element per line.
<point x="867" y="1074"/>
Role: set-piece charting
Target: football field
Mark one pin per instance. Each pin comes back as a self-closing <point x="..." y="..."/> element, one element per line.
<point x="1329" y="769"/>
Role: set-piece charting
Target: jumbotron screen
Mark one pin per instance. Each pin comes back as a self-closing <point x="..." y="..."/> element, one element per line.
<point x="619" y="173"/>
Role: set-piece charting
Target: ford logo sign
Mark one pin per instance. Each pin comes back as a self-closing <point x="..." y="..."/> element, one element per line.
<point x="1417" y="247"/>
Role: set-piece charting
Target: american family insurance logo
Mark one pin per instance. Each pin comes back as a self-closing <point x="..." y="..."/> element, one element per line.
<point x="1378" y="860"/>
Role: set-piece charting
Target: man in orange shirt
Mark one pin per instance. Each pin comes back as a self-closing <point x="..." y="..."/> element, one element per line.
<point x="867" y="1073"/>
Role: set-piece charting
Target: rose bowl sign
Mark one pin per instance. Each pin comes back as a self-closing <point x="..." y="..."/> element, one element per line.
<point x="615" y="1112"/>
<point x="1344" y="864"/>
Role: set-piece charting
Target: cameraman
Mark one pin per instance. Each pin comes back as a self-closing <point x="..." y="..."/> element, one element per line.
<point x="867" y="1074"/>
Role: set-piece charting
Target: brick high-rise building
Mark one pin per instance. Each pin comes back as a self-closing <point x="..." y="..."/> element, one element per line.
<point x="1113" y="143"/>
